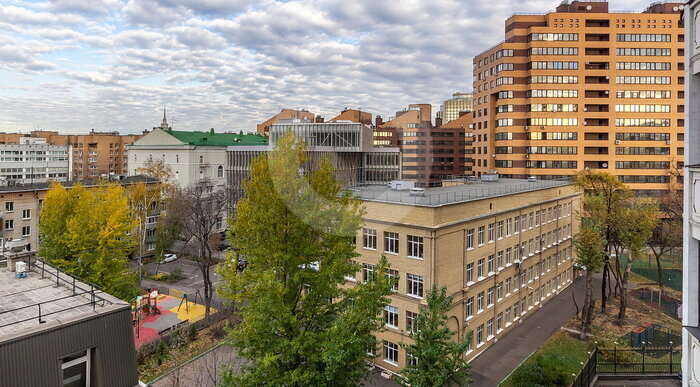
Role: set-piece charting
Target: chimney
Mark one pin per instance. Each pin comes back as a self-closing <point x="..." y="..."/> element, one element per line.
<point x="438" y="122"/>
<point x="378" y="121"/>
<point x="319" y="120"/>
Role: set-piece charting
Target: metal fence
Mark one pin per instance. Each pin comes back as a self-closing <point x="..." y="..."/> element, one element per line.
<point x="641" y="361"/>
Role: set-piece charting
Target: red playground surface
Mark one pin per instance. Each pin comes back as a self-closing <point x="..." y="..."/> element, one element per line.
<point x="148" y="326"/>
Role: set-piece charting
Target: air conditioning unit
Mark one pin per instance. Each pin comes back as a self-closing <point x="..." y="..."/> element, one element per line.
<point x="668" y="142"/>
<point x="617" y="142"/>
<point x="604" y="165"/>
<point x="585" y="109"/>
<point x="585" y="123"/>
<point x="607" y="92"/>
<point x="493" y="155"/>
<point x="607" y="77"/>
<point x="527" y="128"/>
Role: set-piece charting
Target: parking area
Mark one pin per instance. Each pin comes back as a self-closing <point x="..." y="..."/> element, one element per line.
<point x="190" y="271"/>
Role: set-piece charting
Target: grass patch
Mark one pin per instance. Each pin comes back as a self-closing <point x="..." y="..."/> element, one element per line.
<point x="560" y="356"/>
<point x="172" y="277"/>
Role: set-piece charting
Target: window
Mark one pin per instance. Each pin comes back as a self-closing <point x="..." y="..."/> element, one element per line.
<point x="391" y="242"/>
<point x="9" y="224"/>
<point x="499" y="290"/>
<point x="151" y="220"/>
<point x="201" y="159"/>
<point x="646" y="94"/>
<point x="415" y="246"/>
<point x="491" y="232"/>
<point x="470" y="306"/>
<point x="643" y="80"/>
<point x="499" y="321"/>
<point x="644" y="52"/>
<point x="368" y="272"/>
<point x="507" y="315"/>
<point x="508" y="282"/>
<point x="26" y="230"/>
<point x="550" y="93"/>
<point x="489" y="328"/>
<point x="499" y="229"/>
<point x="470" y="272"/>
<point x="489" y="296"/>
<point x="369" y="238"/>
<point x="220" y="171"/>
<point x="490" y="264"/>
<point x="509" y="226"/>
<point x="75" y="369"/>
<point x="393" y="276"/>
<point x="553" y="51"/>
<point x="499" y="259"/>
<point x="411" y="360"/>
<point x="470" y="238"/>
<point x="480" y="268"/>
<point x="9" y="206"/>
<point x="480" y="334"/>
<point x="414" y="285"/>
<point x="150" y="246"/>
<point x="480" y="302"/>
<point x="391" y="352"/>
<point x="391" y="316"/>
<point x="411" y="321"/>
<point x="480" y="237"/>
<point x="151" y="232"/>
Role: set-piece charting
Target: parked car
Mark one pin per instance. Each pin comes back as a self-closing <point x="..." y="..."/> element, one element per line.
<point x="168" y="258"/>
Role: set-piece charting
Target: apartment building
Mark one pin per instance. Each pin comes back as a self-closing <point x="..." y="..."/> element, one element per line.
<point x="93" y="155"/>
<point x="583" y="87"/>
<point x="33" y="161"/>
<point x="429" y="154"/>
<point x="450" y="109"/>
<point x="20" y="206"/>
<point x="302" y="115"/>
<point x="502" y="248"/>
<point x="691" y="217"/>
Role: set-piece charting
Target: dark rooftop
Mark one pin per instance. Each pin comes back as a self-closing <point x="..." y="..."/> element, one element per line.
<point x="40" y="186"/>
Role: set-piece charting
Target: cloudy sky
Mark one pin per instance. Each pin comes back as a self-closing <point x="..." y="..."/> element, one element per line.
<point x="73" y="65"/>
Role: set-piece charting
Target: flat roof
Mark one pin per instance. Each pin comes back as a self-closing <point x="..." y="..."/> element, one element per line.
<point x="440" y="196"/>
<point x="45" y="185"/>
<point x="24" y="300"/>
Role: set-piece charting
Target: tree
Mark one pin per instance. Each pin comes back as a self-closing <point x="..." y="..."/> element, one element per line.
<point x="144" y="201"/>
<point x="86" y="232"/>
<point x="296" y="228"/>
<point x="197" y="213"/>
<point x="590" y="252"/>
<point x="158" y="169"/>
<point x="438" y="358"/>
<point x="604" y="198"/>
<point x="636" y="226"/>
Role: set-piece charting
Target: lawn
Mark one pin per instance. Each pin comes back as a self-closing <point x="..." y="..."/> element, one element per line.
<point x="570" y="353"/>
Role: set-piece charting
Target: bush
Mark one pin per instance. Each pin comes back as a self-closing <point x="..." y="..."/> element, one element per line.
<point x="192" y="333"/>
<point x="162" y="352"/>
<point x="545" y="370"/>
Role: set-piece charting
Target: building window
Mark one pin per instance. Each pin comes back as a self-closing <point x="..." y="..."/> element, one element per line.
<point x="480" y="268"/>
<point x="75" y="369"/>
<point x="367" y="272"/>
<point x="491" y="233"/>
<point x="369" y="238"/>
<point x="490" y="264"/>
<point x="391" y="316"/>
<point x="9" y="224"/>
<point x="26" y="230"/>
<point x="415" y="246"/>
<point x="201" y="159"/>
<point x="480" y="236"/>
<point x="391" y="242"/>
<point x="411" y="321"/>
<point x="150" y="246"/>
<point x="26" y="214"/>
<point x="470" y="306"/>
<point x="415" y="285"/>
<point x="480" y="302"/>
<point x="499" y="321"/>
<point x="508" y="282"/>
<point x="9" y="206"/>
<point x="470" y="272"/>
<point x="220" y="171"/>
<point x="470" y="238"/>
<point x="499" y="259"/>
<point x="391" y="352"/>
<point x="411" y="360"/>
<point x="151" y="220"/>
<point x="393" y="276"/>
<point x="480" y="334"/>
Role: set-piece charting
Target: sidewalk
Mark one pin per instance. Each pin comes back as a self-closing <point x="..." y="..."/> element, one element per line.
<point x="499" y="360"/>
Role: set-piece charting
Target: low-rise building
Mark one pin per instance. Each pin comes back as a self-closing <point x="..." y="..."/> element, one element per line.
<point x="502" y="248"/>
<point x="56" y="330"/>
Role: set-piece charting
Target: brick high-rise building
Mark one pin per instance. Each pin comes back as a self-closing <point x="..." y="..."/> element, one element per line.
<point x="302" y="115"/>
<point x="582" y="87"/>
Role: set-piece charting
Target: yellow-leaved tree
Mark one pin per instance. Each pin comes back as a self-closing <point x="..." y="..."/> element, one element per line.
<point x="86" y="231"/>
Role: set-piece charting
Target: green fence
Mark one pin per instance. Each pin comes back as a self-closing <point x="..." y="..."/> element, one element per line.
<point x="673" y="278"/>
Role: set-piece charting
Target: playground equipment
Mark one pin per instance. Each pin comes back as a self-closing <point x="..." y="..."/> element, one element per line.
<point x="652" y="335"/>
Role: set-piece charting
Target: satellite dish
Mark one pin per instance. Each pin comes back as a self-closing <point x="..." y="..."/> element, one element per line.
<point x="675" y="9"/>
<point x="588" y="8"/>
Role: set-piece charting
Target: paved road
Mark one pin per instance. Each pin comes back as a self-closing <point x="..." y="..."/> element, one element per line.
<point x="501" y="358"/>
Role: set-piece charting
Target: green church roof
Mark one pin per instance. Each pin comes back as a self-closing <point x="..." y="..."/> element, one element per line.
<point x="218" y="139"/>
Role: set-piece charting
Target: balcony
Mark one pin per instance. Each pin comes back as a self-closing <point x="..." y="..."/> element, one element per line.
<point x="597" y="23"/>
<point x="597" y="65"/>
<point x="592" y="136"/>
<point x="596" y="108"/>
<point x="595" y="164"/>
<point x="596" y="122"/>
<point x="597" y="80"/>
<point x="597" y="150"/>
<point x="597" y="37"/>
<point x="597" y="94"/>
<point x="597" y="51"/>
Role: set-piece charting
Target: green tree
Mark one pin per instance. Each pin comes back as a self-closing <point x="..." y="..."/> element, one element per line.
<point x="438" y="358"/>
<point x="605" y="196"/>
<point x="144" y="201"/>
<point x="296" y="229"/>
<point x="590" y="256"/>
<point x="86" y="232"/>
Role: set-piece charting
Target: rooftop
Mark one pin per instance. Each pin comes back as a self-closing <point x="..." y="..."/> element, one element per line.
<point x="212" y="138"/>
<point x="36" y="303"/>
<point x="40" y="186"/>
<point x="440" y="196"/>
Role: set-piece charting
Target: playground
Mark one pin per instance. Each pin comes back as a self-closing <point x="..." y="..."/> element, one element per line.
<point x="155" y="314"/>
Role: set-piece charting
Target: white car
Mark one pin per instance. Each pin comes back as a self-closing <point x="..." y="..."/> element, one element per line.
<point x="168" y="258"/>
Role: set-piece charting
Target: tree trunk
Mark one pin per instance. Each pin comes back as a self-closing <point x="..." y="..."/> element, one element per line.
<point x="603" y="293"/>
<point x="623" y="294"/>
<point x="659" y="270"/>
<point x="204" y="264"/>
<point x="588" y="306"/>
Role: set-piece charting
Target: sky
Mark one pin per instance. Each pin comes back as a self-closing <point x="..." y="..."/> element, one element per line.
<point x="111" y="65"/>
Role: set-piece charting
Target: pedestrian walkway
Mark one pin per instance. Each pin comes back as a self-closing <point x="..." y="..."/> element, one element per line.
<point x="505" y="355"/>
